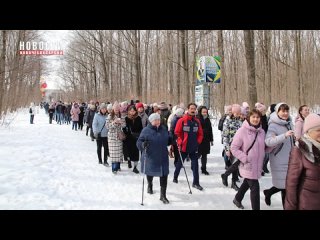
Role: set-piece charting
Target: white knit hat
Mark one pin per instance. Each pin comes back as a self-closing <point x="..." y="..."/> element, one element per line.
<point x="154" y="116"/>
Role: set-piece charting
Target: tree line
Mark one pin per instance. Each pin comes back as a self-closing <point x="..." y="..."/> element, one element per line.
<point x="160" y="65"/>
<point x="19" y="74"/>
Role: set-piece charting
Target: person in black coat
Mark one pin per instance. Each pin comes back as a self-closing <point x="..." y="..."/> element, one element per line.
<point x="207" y="142"/>
<point x="132" y="130"/>
<point x="153" y="142"/>
<point x="81" y="116"/>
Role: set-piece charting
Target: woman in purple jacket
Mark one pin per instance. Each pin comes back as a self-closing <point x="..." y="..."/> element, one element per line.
<point x="249" y="147"/>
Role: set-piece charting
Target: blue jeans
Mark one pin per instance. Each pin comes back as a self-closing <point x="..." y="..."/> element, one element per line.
<point x="194" y="166"/>
<point x="74" y="125"/>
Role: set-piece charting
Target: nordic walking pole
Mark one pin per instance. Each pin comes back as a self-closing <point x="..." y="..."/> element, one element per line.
<point x="183" y="167"/>
<point x="144" y="173"/>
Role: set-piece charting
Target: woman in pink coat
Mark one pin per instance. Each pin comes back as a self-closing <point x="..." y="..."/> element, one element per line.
<point x="249" y="147"/>
<point x="75" y="111"/>
<point x="299" y="121"/>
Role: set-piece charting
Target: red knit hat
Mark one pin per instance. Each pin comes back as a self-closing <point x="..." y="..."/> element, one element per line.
<point x="139" y="105"/>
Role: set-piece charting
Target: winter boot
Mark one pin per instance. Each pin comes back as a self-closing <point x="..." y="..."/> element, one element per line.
<point x="204" y="172"/>
<point x="135" y="170"/>
<point x="175" y="180"/>
<point x="163" y="197"/>
<point x="224" y="179"/>
<point x="265" y="168"/>
<point x="150" y="190"/>
<point x="238" y="204"/>
<point x="129" y="164"/>
<point x="197" y="186"/>
<point x="267" y="197"/>
<point x="234" y="185"/>
<point x="106" y="164"/>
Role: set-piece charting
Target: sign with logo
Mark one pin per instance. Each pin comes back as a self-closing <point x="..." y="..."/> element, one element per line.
<point x="208" y="69"/>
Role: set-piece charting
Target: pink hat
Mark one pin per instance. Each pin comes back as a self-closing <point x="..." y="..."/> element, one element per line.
<point x="243" y="111"/>
<point x="116" y="106"/>
<point x="245" y="105"/>
<point x="236" y="108"/>
<point x="260" y="107"/>
<point x="311" y="121"/>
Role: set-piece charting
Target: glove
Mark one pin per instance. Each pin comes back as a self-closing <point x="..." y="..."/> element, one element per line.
<point x="145" y="144"/>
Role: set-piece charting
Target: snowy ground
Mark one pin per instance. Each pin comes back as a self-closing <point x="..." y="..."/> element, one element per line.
<point x="46" y="166"/>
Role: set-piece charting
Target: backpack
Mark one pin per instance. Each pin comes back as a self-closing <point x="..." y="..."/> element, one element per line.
<point x="221" y="121"/>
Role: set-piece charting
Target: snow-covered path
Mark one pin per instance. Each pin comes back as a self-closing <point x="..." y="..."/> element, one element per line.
<point x="46" y="166"/>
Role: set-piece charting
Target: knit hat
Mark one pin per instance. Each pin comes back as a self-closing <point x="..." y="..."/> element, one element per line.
<point x="311" y="121"/>
<point x="276" y="108"/>
<point x="154" y="116"/>
<point x="116" y="106"/>
<point x="109" y="107"/>
<point x="155" y="105"/>
<point x="245" y="105"/>
<point x="179" y="112"/>
<point x="103" y="105"/>
<point x="260" y="107"/>
<point x="139" y="105"/>
<point x="236" y="108"/>
<point x="243" y="111"/>
<point x="227" y="109"/>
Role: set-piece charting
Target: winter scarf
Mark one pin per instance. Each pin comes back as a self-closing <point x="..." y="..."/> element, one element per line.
<point x="310" y="148"/>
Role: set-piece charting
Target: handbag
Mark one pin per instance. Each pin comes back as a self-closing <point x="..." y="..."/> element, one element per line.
<point x="121" y="136"/>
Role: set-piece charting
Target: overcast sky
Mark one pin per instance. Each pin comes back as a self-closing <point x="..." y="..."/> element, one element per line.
<point x="54" y="61"/>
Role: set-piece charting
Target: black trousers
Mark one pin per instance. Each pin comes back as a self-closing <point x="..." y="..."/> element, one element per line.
<point x="204" y="160"/>
<point x="176" y="154"/>
<point x="103" y="142"/>
<point x="234" y="168"/>
<point x="50" y="118"/>
<point x="254" y="186"/>
<point x="274" y="190"/>
<point x="163" y="181"/>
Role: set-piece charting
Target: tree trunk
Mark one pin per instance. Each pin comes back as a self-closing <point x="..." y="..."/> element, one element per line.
<point x="267" y="51"/>
<point x="299" y="64"/>
<point x="185" y="64"/>
<point x="3" y="68"/>
<point x="222" y="83"/>
<point x="249" y="49"/>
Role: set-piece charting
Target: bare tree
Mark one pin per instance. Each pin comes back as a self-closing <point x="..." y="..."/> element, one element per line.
<point x="249" y="46"/>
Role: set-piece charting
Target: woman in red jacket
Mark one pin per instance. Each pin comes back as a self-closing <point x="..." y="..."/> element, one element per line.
<point x="302" y="182"/>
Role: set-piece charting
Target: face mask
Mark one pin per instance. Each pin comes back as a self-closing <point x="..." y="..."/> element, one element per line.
<point x="205" y="116"/>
